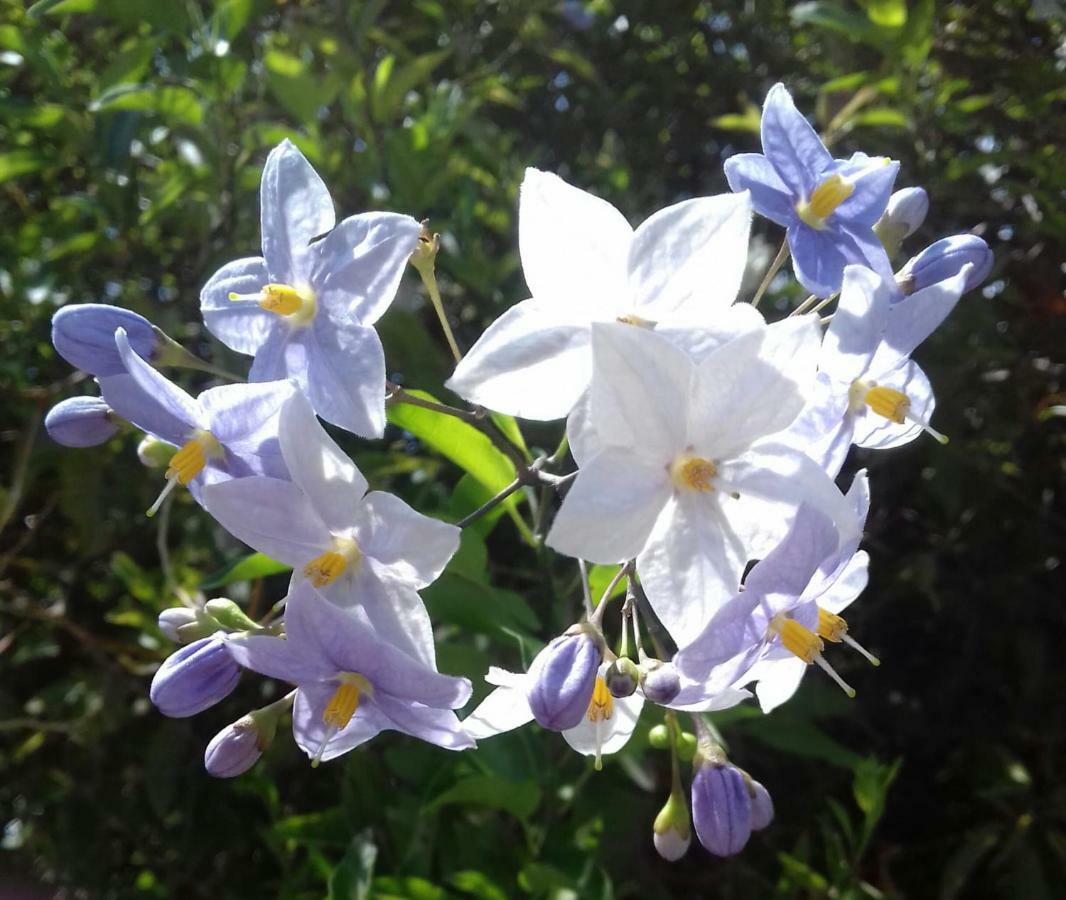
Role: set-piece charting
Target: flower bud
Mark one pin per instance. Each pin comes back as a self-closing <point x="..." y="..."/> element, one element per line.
<point x="686" y="746"/>
<point x="762" y="806"/>
<point x="238" y="746"/>
<point x="660" y="683"/>
<point x="622" y="677"/>
<point x="194" y="678"/>
<point x="905" y="213"/>
<point x="945" y="259"/>
<point x="154" y="453"/>
<point x="229" y="615"/>
<point x="81" y="422"/>
<point x="672" y="830"/>
<point x="659" y="737"/>
<point x="721" y="808"/>
<point x="175" y="618"/>
<point x="84" y="335"/>
<point x="563" y="676"/>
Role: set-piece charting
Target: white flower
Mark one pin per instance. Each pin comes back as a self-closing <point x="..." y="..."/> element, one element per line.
<point x="678" y="468"/>
<point x="681" y="269"/>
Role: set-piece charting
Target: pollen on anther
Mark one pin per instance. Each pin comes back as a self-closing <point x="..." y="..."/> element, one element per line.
<point x="694" y="473"/>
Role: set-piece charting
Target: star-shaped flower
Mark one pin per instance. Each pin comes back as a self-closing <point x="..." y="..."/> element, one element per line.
<point x="679" y="468"/>
<point x="352" y="683"/>
<point x="680" y="269"/>
<point x="369" y="549"/>
<point x="306" y="308"/>
<point x="829" y="206"/>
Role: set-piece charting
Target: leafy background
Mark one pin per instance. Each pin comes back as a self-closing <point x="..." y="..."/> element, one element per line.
<point x="133" y="132"/>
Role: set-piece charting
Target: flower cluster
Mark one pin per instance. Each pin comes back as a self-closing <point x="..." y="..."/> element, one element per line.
<point x="707" y="441"/>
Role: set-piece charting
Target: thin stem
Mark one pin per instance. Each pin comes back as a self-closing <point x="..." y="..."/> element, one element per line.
<point x="162" y="525"/>
<point x="560" y="452"/>
<point x="396" y="394"/>
<point x="824" y="303"/>
<point x="585" y="591"/>
<point x="779" y="261"/>
<point x="489" y="505"/>
<point x="597" y="615"/>
<point x="424" y="260"/>
<point x="805" y="305"/>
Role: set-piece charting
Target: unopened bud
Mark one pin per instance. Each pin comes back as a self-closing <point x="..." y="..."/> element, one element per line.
<point x="238" y="746"/>
<point x="721" y="807"/>
<point x="686" y="746"/>
<point x="659" y="737"/>
<point x="425" y="253"/>
<point x="622" y="677"/>
<point x="907" y="209"/>
<point x="945" y="259"/>
<point x="172" y="620"/>
<point x="194" y="678"/>
<point x="154" y="453"/>
<point x="563" y="676"/>
<point x="229" y="615"/>
<point x="84" y="335"/>
<point x="661" y="683"/>
<point x="672" y="830"/>
<point x="762" y="806"/>
<point x="81" y="422"/>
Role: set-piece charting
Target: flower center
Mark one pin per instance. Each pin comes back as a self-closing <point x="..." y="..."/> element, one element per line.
<point x="639" y="321"/>
<point x="693" y="473"/>
<point x="803" y="643"/>
<point x="188" y="462"/>
<point x="327" y="567"/>
<point x="342" y="706"/>
<point x="833" y="628"/>
<point x="888" y="403"/>
<point x="298" y="304"/>
<point x="601" y="706"/>
<point x="824" y="201"/>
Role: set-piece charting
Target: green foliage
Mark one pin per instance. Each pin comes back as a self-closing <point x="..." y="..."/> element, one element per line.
<point x="133" y="133"/>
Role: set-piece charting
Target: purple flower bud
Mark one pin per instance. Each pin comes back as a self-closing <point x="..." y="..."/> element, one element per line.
<point x="762" y="807"/>
<point x="945" y="259"/>
<point x="562" y="678"/>
<point x="907" y="210"/>
<point x="170" y="620"/>
<point x="622" y="677"/>
<point x="661" y="681"/>
<point x="84" y="335"/>
<point x="194" y="678"/>
<point x="81" y="422"/>
<point x="721" y="808"/>
<point x="235" y="749"/>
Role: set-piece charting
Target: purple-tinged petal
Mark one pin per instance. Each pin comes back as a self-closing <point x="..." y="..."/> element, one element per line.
<point x="394" y="608"/>
<point x="770" y="196"/>
<point x="84" y="335"/>
<point x="721" y="809"/>
<point x="791" y="144"/>
<point x="777" y="679"/>
<point x="345" y="379"/>
<point x="194" y="678"/>
<point x="561" y="680"/>
<point x="242" y="325"/>
<point x="295" y="207"/>
<point x="81" y="422"/>
<point x="357" y="267"/>
<point x="878" y="433"/>
<point x="762" y="807"/>
<point x="238" y="412"/>
<point x="946" y="258"/>
<point x="818" y="259"/>
<point x="411" y="547"/>
<point x="171" y="399"/>
<point x="873" y="187"/>
<point x="128" y="400"/>
<point x="282" y="355"/>
<point x="271" y="516"/>
<point x="310" y="730"/>
<point x="717" y="657"/>
<point x="234" y="750"/>
<point x="854" y="335"/>
<point x="435" y="726"/>
<point x="280" y="658"/>
<point x="847" y="584"/>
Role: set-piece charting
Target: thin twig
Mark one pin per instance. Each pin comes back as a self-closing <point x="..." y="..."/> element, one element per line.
<point x="597" y="613"/>
<point x="805" y="305"/>
<point x="779" y="261"/>
<point x="585" y="591"/>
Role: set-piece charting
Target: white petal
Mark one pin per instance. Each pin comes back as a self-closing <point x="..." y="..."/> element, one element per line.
<point x="583" y="438"/>
<point x="241" y="325"/>
<point x="609" y="735"/>
<point x="793" y="345"/>
<point x="294" y="207"/>
<point x="413" y="548"/>
<point x="532" y="362"/>
<point x="738" y="398"/>
<point x="345" y="379"/>
<point x="700" y="339"/>
<point x="692" y="564"/>
<point x="609" y="511"/>
<point x="503" y="710"/>
<point x="318" y="466"/>
<point x="689" y="258"/>
<point x="271" y="516"/>
<point x="777" y="680"/>
<point x="878" y="433"/>
<point x="640" y="391"/>
<point x="849" y="584"/>
<point x="854" y="335"/>
<point x="573" y="246"/>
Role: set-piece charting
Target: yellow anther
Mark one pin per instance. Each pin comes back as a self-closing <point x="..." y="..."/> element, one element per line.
<point x="694" y="473"/>
<point x="190" y="460"/>
<point x="797" y="639"/>
<point x="831" y="627"/>
<point x="601" y="706"/>
<point x="888" y="402"/>
<point x="327" y="567"/>
<point x="639" y="321"/>
<point x="345" y="700"/>
<point x="824" y="201"/>
<point x="282" y="299"/>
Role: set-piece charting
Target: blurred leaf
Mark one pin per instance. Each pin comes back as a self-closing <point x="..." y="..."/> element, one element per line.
<point x="352" y="878"/>
<point x="60" y="7"/>
<point x="886" y="13"/>
<point x="880" y="117"/>
<point x="520" y="800"/>
<point x="19" y="162"/>
<point x="247" y="568"/>
<point x="477" y="884"/>
<point x="833" y="17"/>
<point x="599" y="578"/>
<point x="750" y="120"/>
<point x="173" y="102"/>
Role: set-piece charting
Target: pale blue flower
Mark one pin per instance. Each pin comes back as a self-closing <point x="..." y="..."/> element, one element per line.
<point x="944" y="259"/>
<point x="84" y="335"/>
<point x="829" y="206"/>
<point x="194" y="678"/>
<point x="81" y="422"/>
<point x="306" y="308"/>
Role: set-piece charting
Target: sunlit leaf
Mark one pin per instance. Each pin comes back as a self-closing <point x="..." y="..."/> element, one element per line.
<point x="247" y="568"/>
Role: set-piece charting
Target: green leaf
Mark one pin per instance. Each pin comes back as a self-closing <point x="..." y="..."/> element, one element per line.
<point x="600" y="577"/>
<point x="173" y="102"/>
<point x="833" y="17"/>
<point x="478" y="607"/>
<point x="520" y="800"/>
<point x="887" y="13"/>
<point x="748" y="121"/>
<point x="43" y="8"/>
<point x="351" y="879"/>
<point x="880" y="117"/>
<point x="19" y="162"/>
<point x="391" y="84"/>
<point x="477" y="884"/>
<point x="247" y="568"/>
<point x="301" y="91"/>
<point x="229" y="18"/>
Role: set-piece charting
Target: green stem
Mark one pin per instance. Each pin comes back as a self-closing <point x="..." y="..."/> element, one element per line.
<point x="779" y="261"/>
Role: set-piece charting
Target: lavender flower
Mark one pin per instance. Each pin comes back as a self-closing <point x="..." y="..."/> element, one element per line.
<point x="562" y="678"/>
<point x="84" y="335"/>
<point x="721" y="807"/>
<point x="194" y="678"/>
<point x="945" y="259"/>
<point x="81" y="422"/>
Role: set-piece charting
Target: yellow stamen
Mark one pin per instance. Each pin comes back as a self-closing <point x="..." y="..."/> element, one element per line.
<point x="327" y="567"/>
<point x="888" y="402"/>
<point x="601" y="706"/>
<point x="187" y="463"/>
<point x="283" y="300"/>
<point x="804" y="643"/>
<point x="824" y="201"/>
<point x="341" y="707"/>
<point x="834" y="628"/>
<point x="639" y="321"/>
<point x="694" y="473"/>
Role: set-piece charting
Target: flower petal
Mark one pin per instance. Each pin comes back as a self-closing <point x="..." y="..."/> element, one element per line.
<point x="688" y="259"/>
<point x="610" y="735"/>
<point x="573" y="247"/>
<point x="777" y="680"/>
<point x="791" y="144"/>
<point x="295" y="207"/>
<point x="358" y="265"/>
<point x="332" y="482"/>
<point x="277" y="658"/>
<point x="310" y="730"/>
<point x="770" y="196"/>
<point x="346" y="378"/>
<point x="852" y="338"/>
<point x="533" y="362"/>
<point x="238" y="412"/>
<point x="878" y="433"/>
<point x="611" y="508"/>
<point x="411" y="547"/>
<point x="241" y="325"/>
<point x="504" y="709"/>
<point x="699" y="340"/>
<point x="175" y="408"/>
<point x="271" y="516"/>
<point x="873" y="180"/>
<point x="848" y="585"/>
<point x="435" y="726"/>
